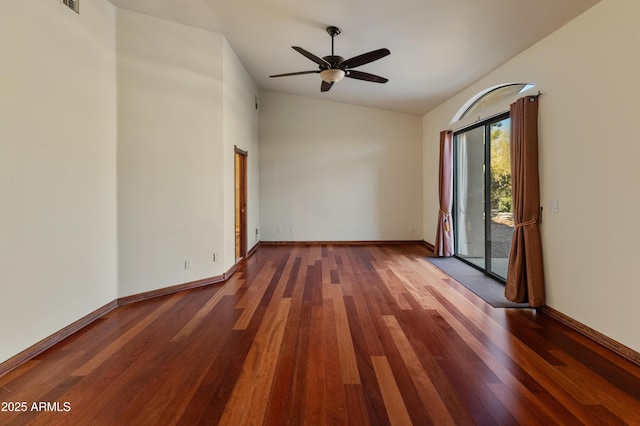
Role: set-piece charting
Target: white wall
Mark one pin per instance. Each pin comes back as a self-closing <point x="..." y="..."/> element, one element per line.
<point x="240" y="118"/>
<point x="58" y="253"/>
<point x="589" y="162"/>
<point x="332" y="171"/>
<point x="113" y="168"/>
<point x="170" y="152"/>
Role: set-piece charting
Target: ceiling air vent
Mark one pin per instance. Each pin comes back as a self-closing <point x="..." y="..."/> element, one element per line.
<point x="73" y="5"/>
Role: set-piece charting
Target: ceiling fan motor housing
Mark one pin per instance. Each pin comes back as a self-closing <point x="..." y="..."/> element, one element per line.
<point x="334" y="60"/>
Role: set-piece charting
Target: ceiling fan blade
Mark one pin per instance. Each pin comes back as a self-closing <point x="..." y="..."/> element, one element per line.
<point x="359" y="75"/>
<point x="295" y="73"/>
<point x="311" y="56"/>
<point x="365" y="58"/>
<point x="325" y="86"/>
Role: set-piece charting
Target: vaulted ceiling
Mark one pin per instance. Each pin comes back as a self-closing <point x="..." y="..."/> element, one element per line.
<point x="437" y="47"/>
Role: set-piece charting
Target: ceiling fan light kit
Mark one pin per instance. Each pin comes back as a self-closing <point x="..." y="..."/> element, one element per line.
<point x="332" y="75"/>
<point x="333" y="68"/>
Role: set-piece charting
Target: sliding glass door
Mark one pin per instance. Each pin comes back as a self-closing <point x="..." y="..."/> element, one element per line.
<point x="483" y="217"/>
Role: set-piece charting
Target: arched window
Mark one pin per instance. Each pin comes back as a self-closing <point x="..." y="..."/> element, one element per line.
<point x="490" y="97"/>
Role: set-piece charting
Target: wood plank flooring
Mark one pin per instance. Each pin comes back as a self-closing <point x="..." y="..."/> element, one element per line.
<point x="324" y="334"/>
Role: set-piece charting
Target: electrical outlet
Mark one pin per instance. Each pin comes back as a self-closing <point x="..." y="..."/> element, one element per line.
<point x="187" y="264"/>
<point x="216" y="256"/>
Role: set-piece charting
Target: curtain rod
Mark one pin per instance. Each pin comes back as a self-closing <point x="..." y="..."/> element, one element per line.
<point x="532" y="97"/>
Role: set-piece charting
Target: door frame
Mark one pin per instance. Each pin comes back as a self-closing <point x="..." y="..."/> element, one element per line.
<point x="240" y="204"/>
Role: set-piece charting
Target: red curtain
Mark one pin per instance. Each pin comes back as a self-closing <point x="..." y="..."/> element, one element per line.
<point x="444" y="231"/>
<point x="525" y="274"/>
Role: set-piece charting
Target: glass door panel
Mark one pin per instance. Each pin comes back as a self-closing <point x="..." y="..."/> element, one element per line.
<point x="500" y="202"/>
<point x="469" y="181"/>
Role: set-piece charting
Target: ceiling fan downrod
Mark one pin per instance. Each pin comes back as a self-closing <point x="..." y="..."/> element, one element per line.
<point x="333" y="32"/>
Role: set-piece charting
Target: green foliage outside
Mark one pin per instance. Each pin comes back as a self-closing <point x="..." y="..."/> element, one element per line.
<point x="501" y="168"/>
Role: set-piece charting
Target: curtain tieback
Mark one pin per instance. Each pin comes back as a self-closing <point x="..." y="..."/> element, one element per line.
<point x="532" y="221"/>
<point x="446" y="220"/>
<point x="527" y="223"/>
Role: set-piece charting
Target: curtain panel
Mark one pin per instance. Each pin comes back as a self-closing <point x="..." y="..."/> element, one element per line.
<point x="525" y="274"/>
<point x="444" y="232"/>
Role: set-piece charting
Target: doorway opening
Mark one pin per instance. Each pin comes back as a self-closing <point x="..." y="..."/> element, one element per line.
<point x="240" y="203"/>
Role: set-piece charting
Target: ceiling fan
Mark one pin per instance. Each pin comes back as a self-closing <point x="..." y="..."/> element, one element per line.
<point x="334" y="68"/>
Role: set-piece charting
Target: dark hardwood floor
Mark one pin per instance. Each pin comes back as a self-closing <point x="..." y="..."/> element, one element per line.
<point x="322" y="334"/>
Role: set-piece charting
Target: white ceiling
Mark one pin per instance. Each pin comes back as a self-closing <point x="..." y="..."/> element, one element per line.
<point x="438" y="47"/>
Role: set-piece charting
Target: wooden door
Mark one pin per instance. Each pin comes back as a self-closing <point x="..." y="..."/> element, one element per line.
<point x="240" y="203"/>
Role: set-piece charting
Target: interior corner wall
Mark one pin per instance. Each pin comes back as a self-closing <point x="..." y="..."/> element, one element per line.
<point x="240" y="118"/>
<point x="58" y="248"/>
<point x="336" y="172"/>
<point x="170" y="153"/>
<point x="587" y="72"/>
